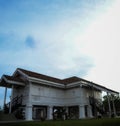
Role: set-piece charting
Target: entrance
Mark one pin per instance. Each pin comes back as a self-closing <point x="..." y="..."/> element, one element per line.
<point x="39" y="112"/>
<point x="73" y="112"/>
<point x="59" y="113"/>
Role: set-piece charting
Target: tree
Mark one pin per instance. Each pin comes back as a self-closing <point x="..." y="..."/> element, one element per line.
<point x="112" y="98"/>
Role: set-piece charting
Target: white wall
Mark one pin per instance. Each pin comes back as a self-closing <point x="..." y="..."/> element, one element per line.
<point x="46" y="95"/>
<point x="43" y="95"/>
<point x="72" y="96"/>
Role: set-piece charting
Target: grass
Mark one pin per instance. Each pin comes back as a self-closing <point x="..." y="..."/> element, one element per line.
<point x="86" y="122"/>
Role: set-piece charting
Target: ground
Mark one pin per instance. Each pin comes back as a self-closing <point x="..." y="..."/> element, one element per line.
<point x="85" y="122"/>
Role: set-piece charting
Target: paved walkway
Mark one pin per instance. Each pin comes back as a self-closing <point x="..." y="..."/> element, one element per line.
<point x="17" y="121"/>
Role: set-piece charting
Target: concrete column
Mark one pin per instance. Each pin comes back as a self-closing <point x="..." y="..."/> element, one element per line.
<point x="109" y="104"/>
<point x="5" y="96"/>
<point x="10" y="109"/>
<point x="30" y="93"/>
<point x="67" y="110"/>
<point x="114" y="109"/>
<point x="34" y="113"/>
<point x="50" y="112"/>
<point x="81" y="111"/>
<point x="28" y="109"/>
<point x="28" y="112"/>
<point x="90" y="111"/>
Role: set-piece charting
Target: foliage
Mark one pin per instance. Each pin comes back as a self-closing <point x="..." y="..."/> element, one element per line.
<point x="112" y="98"/>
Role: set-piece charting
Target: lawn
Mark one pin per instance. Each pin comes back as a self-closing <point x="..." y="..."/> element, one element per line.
<point x="86" y="122"/>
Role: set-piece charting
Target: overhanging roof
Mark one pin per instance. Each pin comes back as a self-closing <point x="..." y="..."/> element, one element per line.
<point x="66" y="83"/>
<point x="8" y="81"/>
<point x="39" y="76"/>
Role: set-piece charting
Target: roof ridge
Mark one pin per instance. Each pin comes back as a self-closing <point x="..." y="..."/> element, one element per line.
<point x="71" y="77"/>
<point x="39" y="75"/>
<point x="50" y="78"/>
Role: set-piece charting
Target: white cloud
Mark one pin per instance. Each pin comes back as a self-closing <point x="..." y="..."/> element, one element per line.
<point x="56" y="49"/>
<point x="102" y="42"/>
<point x="59" y="45"/>
<point x="85" y="44"/>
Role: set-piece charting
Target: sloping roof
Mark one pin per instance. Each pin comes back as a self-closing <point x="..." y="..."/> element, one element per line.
<point x="70" y="80"/>
<point x="66" y="81"/>
<point x="49" y="78"/>
<point x="40" y="76"/>
<point x="11" y="78"/>
<point x="8" y="81"/>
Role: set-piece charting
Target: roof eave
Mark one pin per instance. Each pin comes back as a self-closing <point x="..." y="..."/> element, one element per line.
<point x="13" y="82"/>
<point x="50" y="83"/>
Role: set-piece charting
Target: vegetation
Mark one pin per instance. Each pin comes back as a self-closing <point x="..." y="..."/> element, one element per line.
<point x="85" y="122"/>
<point x="112" y="98"/>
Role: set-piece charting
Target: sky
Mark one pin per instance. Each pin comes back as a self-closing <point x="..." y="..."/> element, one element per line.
<point x="61" y="38"/>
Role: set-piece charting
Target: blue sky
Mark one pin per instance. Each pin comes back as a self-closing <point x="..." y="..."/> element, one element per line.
<point x="61" y="38"/>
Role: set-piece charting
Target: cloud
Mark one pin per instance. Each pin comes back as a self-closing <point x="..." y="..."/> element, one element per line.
<point x="30" y="42"/>
<point x="47" y="57"/>
<point x="57" y="53"/>
<point x="11" y="41"/>
<point x="49" y="40"/>
<point x="66" y="60"/>
<point x="102" y="42"/>
<point x="60" y="39"/>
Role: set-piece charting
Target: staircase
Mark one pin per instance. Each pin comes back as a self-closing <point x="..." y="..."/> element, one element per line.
<point x="16" y="103"/>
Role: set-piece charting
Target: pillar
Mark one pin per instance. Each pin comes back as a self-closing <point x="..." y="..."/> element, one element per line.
<point x="81" y="111"/>
<point x="114" y="109"/>
<point x="90" y="111"/>
<point x="109" y="104"/>
<point x="10" y="109"/>
<point x="28" y="109"/>
<point x="5" y="96"/>
<point x="67" y="110"/>
<point x="50" y="112"/>
<point x="28" y="112"/>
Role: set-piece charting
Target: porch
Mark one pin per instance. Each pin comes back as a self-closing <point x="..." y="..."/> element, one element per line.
<point x="40" y="112"/>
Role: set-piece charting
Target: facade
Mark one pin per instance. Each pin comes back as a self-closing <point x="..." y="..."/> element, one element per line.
<point x="35" y="96"/>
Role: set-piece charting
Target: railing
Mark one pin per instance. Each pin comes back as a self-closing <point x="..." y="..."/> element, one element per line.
<point x="17" y="100"/>
<point x="15" y="103"/>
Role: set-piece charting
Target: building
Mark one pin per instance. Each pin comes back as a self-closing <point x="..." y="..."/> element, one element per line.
<point x="37" y="96"/>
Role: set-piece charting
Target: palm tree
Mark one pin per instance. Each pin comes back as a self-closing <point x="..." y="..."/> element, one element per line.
<point x="114" y="103"/>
